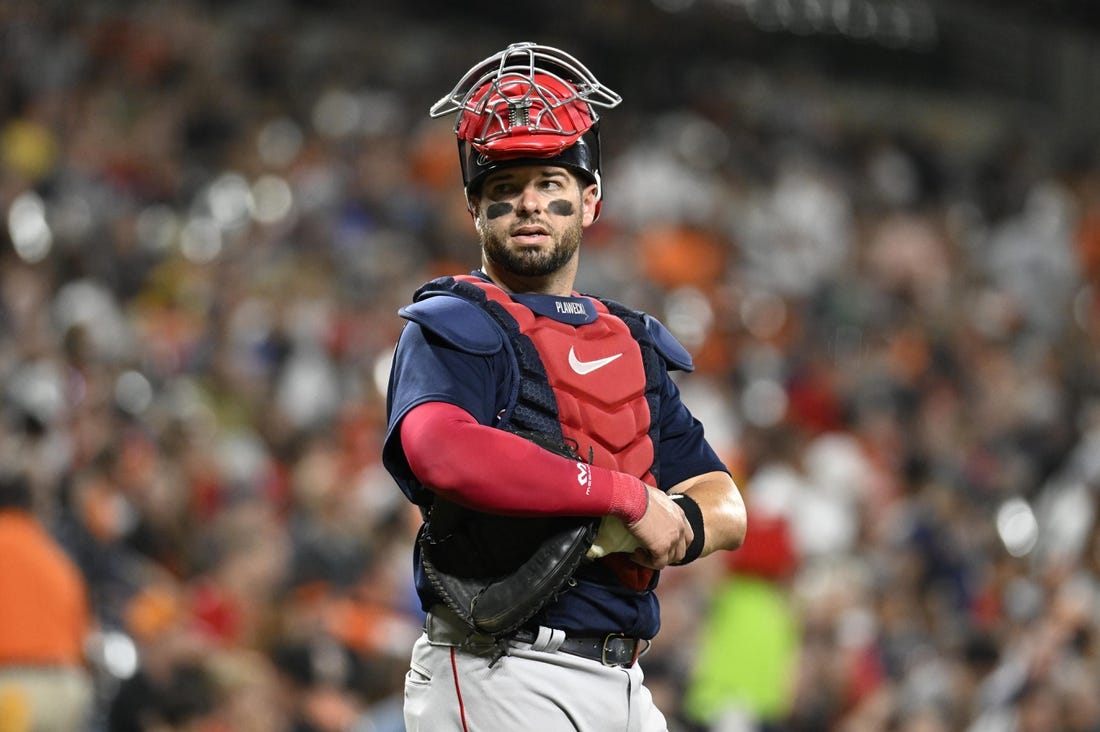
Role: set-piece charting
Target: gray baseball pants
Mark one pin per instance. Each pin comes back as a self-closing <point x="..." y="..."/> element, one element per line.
<point x="449" y="688"/>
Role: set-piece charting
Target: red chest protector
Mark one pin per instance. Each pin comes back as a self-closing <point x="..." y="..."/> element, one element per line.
<point x="598" y="381"/>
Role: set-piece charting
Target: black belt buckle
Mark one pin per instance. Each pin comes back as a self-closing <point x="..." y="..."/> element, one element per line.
<point x="604" y="651"/>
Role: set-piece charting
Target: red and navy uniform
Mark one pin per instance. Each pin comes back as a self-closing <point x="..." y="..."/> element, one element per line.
<point x="587" y="370"/>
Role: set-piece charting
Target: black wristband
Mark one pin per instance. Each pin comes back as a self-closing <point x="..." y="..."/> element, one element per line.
<point x="694" y="516"/>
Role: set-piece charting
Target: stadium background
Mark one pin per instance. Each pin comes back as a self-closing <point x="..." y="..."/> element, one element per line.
<point x="875" y="223"/>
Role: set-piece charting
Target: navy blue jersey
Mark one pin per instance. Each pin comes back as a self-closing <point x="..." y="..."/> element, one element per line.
<point x="429" y="368"/>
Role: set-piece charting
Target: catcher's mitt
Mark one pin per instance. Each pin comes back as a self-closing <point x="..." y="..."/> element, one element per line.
<point x="497" y="572"/>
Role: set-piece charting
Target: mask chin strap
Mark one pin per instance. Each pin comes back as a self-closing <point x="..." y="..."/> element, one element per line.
<point x="599" y="195"/>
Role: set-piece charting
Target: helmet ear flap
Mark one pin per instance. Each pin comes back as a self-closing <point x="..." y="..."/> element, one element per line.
<point x="599" y="198"/>
<point x="463" y="161"/>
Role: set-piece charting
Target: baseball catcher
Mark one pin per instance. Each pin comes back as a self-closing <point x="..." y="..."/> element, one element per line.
<point x="541" y="435"/>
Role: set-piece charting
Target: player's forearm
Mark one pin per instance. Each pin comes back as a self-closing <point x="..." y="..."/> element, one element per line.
<point x="497" y="472"/>
<point x="724" y="517"/>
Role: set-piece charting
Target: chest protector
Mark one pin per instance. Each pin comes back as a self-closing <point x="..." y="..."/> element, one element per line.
<point x="587" y="382"/>
<point x="591" y="390"/>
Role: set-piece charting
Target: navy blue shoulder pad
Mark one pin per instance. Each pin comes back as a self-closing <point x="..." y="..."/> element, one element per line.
<point x="459" y="322"/>
<point x="667" y="345"/>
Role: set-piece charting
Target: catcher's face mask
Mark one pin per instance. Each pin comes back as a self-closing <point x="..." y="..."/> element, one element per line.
<point x="527" y="105"/>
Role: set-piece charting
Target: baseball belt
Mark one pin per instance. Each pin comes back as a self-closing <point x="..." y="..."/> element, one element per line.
<point x="614" y="649"/>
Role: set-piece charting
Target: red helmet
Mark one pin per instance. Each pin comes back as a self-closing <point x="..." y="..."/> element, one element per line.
<point x="528" y="104"/>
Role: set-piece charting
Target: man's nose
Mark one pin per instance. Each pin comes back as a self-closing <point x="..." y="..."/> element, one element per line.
<point x="529" y="200"/>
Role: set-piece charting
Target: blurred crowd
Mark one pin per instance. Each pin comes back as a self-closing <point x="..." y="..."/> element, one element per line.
<point x="212" y="214"/>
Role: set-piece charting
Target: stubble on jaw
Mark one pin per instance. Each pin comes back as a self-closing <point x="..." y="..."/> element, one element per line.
<point x="534" y="262"/>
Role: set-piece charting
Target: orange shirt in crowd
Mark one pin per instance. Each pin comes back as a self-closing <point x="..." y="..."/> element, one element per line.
<point x="43" y="598"/>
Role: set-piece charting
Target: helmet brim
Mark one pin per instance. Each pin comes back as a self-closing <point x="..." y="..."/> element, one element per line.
<point x="582" y="157"/>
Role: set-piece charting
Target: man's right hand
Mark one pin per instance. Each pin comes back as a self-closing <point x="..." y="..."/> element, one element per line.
<point x="663" y="532"/>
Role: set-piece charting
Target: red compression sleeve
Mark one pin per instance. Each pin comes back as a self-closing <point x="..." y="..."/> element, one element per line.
<point x="497" y="472"/>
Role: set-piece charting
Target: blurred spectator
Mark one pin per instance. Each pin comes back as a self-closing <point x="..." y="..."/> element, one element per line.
<point x="45" y="685"/>
<point x="750" y="618"/>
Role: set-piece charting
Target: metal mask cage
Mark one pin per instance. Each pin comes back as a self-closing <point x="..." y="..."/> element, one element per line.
<point x="543" y="105"/>
<point x="481" y="92"/>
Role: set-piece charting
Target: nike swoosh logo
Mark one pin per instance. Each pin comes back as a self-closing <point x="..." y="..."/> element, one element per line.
<point x="587" y="367"/>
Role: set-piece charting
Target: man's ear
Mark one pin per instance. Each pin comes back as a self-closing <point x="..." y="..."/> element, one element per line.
<point x="590" y="204"/>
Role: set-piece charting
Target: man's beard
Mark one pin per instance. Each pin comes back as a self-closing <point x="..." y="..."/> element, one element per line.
<point x="532" y="262"/>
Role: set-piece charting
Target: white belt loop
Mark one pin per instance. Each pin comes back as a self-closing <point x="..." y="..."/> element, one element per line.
<point x="548" y="639"/>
